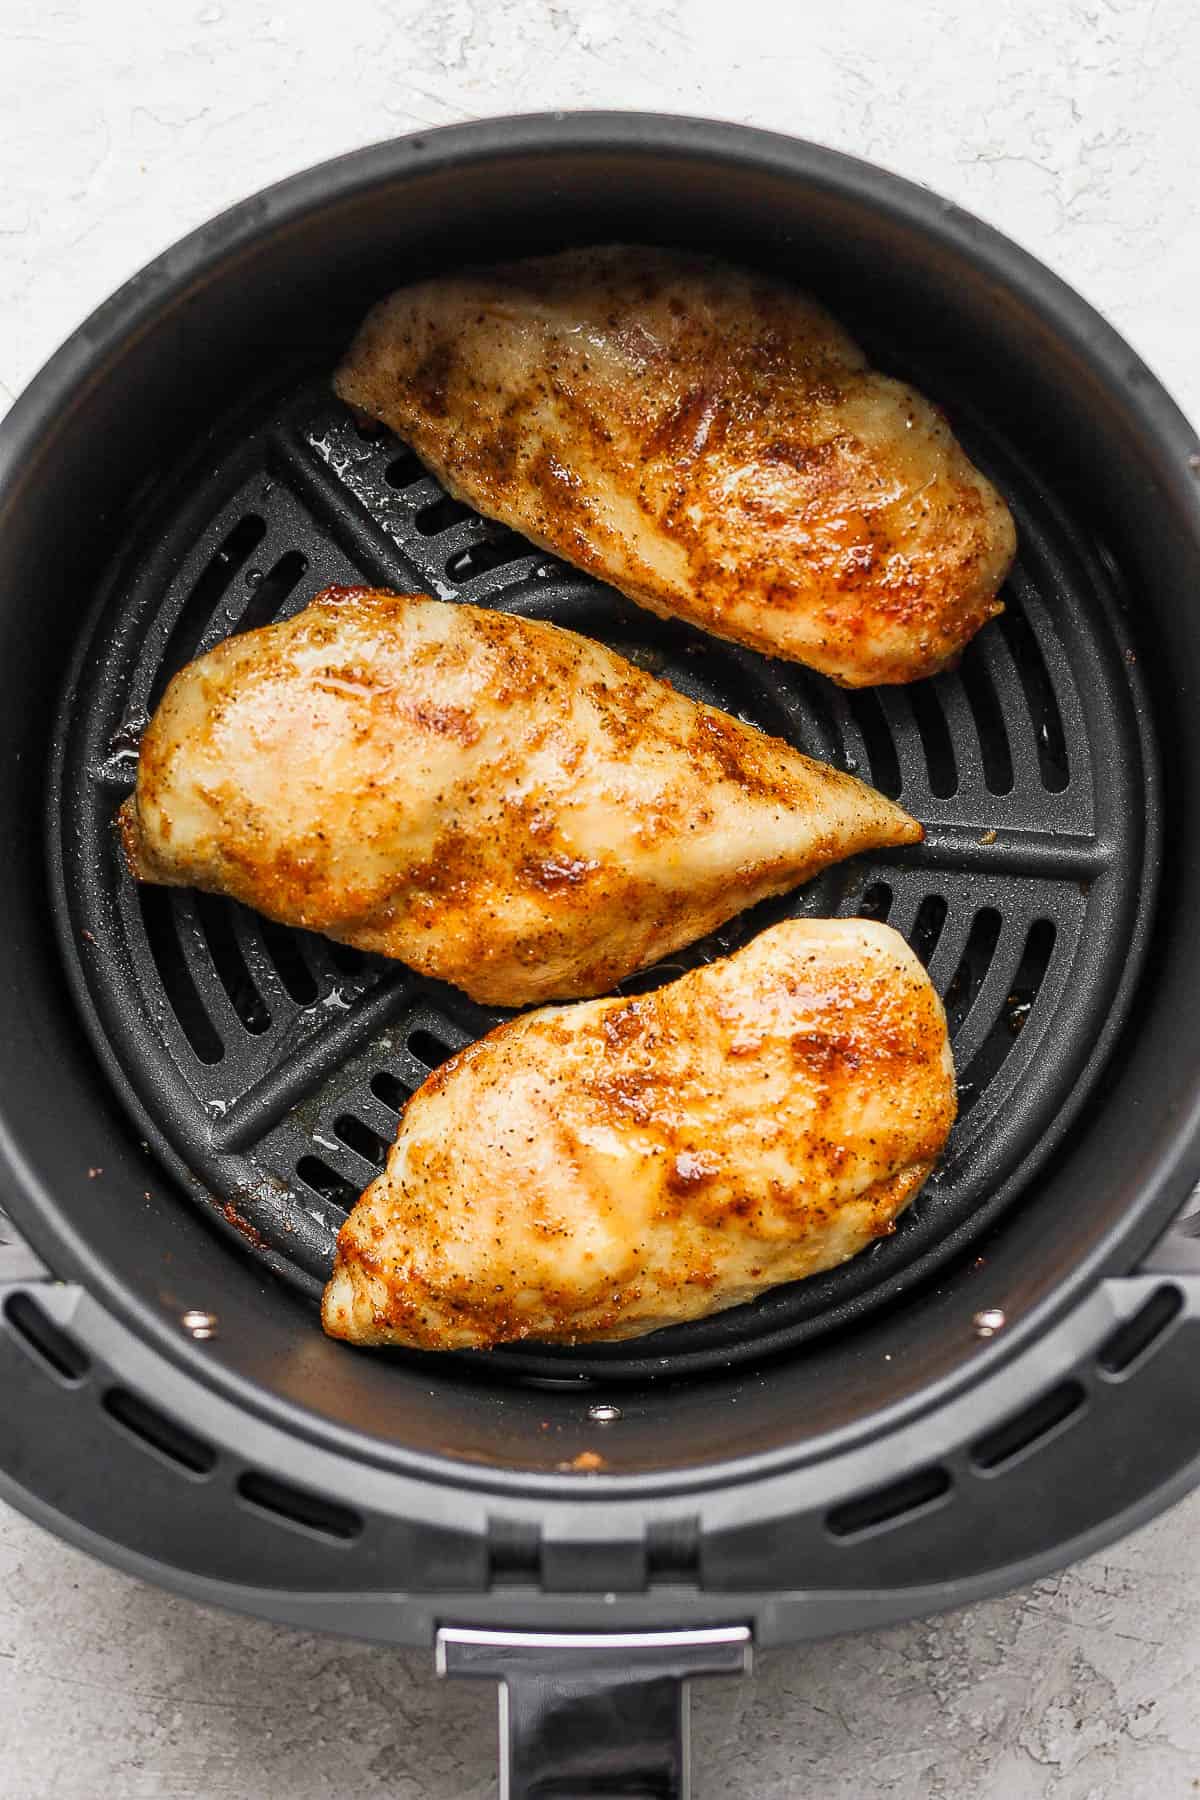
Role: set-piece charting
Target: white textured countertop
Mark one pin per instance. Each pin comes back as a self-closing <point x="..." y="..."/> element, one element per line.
<point x="1074" y="125"/>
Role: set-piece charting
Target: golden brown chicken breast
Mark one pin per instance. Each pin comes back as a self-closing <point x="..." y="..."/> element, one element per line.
<point x="597" y="1171"/>
<point x="708" y="440"/>
<point x="508" y="806"/>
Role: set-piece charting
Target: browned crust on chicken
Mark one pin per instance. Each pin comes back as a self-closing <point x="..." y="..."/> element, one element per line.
<point x="496" y="802"/>
<point x="599" y="1170"/>
<point x="707" y="439"/>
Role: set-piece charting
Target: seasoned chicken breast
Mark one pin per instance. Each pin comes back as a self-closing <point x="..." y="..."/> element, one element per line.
<point x="708" y="440"/>
<point x="499" y="803"/>
<point x="597" y="1171"/>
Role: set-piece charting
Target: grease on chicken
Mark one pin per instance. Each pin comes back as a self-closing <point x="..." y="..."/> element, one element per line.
<point x="497" y="802"/>
<point x="708" y="440"/>
<point x="600" y="1170"/>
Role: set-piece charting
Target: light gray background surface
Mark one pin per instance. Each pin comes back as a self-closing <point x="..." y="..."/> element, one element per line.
<point x="1072" y="124"/>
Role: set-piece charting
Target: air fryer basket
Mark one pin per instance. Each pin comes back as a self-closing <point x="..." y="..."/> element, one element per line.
<point x="1009" y="1378"/>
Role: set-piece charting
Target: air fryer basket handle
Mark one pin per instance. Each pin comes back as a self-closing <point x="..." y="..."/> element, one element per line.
<point x="593" y="1713"/>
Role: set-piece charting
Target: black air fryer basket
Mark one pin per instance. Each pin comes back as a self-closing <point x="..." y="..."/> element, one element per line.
<point x="192" y="1098"/>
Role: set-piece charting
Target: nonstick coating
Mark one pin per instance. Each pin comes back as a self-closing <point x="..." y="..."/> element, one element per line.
<point x="100" y="491"/>
<point x="290" y="1058"/>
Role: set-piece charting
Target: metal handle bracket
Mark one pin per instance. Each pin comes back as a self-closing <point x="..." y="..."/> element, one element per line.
<point x="1177" y="1252"/>
<point x="17" y="1260"/>
<point x="593" y="1713"/>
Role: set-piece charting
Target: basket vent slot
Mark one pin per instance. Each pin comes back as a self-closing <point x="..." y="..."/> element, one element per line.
<point x="283" y="948"/>
<point x="892" y="1505"/>
<point x="869" y="716"/>
<point x="391" y="1090"/>
<point x="361" y="1139"/>
<point x="973" y="966"/>
<point x="1010" y="1020"/>
<point x="440" y="515"/>
<point x="201" y="603"/>
<point x="876" y="902"/>
<point x="988" y="714"/>
<point x="1029" y="1429"/>
<point x="216" y="922"/>
<point x="428" y="1048"/>
<point x="492" y="553"/>
<point x="1132" y="1340"/>
<point x="53" y="1347"/>
<point x="404" y="471"/>
<point x="940" y="761"/>
<point x="345" y="958"/>
<point x="927" y="926"/>
<point x="272" y="590"/>
<point x="158" y="917"/>
<point x="159" y="1432"/>
<point x="1039" y="697"/>
<point x="296" y="1506"/>
<point x="327" y="1182"/>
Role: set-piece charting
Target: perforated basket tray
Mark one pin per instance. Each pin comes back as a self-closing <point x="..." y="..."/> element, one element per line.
<point x="269" y="1067"/>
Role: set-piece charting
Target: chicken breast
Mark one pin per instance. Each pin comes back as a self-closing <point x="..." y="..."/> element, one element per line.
<point x="708" y="440"/>
<point x="597" y="1171"/>
<point x="499" y="803"/>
